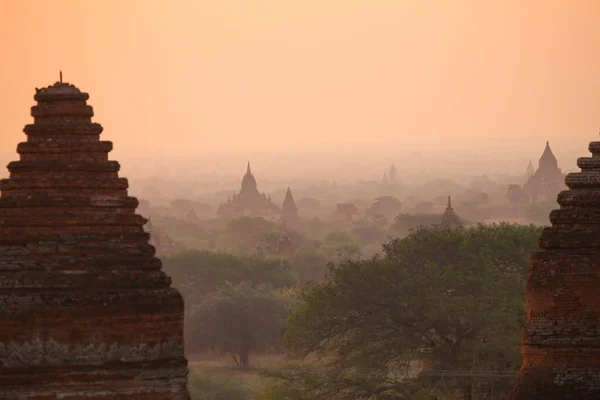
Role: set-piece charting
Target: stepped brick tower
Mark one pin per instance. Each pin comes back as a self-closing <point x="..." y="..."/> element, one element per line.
<point x="561" y="341"/>
<point x="86" y="312"/>
<point x="450" y="219"/>
<point x="289" y="210"/>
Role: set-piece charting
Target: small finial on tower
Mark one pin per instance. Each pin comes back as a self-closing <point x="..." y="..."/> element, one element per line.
<point x="284" y="224"/>
<point x="449" y="202"/>
<point x="60" y="76"/>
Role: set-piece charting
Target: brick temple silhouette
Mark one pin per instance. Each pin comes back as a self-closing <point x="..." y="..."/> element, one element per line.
<point x="561" y="341"/>
<point x="86" y="311"/>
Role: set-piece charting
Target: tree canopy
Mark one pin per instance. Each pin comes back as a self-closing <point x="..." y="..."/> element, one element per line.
<point x="195" y="273"/>
<point x="453" y="300"/>
<point x="238" y="319"/>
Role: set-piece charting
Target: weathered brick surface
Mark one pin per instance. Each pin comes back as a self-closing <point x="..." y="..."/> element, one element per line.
<point x="561" y="340"/>
<point x="85" y="310"/>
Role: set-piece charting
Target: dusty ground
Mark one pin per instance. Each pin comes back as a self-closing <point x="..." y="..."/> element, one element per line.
<point x="223" y="367"/>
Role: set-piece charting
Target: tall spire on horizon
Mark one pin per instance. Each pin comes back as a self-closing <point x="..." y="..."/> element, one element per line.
<point x="289" y="210"/>
<point x="450" y="220"/>
<point x="248" y="181"/>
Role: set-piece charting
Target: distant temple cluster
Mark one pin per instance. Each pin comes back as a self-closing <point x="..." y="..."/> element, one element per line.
<point x="547" y="181"/>
<point x="249" y="201"/>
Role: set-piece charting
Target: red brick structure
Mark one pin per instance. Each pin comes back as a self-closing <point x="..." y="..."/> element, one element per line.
<point x="561" y="341"/>
<point x="85" y="310"/>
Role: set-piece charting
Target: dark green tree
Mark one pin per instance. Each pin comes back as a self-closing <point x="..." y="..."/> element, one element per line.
<point x="237" y="320"/>
<point x="454" y="300"/>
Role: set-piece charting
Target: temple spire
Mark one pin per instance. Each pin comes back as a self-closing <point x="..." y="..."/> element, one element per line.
<point x="450" y="220"/>
<point x="60" y="76"/>
<point x="289" y="210"/>
<point x="248" y="171"/>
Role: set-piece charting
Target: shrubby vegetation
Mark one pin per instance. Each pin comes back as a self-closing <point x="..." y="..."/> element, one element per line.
<point x="356" y="326"/>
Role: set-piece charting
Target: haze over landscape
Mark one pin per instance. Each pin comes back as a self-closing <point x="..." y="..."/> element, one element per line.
<point x="300" y="200"/>
<point x="314" y="89"/>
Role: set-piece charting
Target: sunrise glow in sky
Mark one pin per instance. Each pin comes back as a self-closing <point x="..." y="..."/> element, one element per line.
<point x="237" y="75"/>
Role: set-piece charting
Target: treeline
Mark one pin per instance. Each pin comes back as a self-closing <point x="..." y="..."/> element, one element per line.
<point x="385" y="327"/>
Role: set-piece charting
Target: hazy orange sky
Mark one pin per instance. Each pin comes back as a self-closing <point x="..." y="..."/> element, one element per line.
<point x="227" y="76"/>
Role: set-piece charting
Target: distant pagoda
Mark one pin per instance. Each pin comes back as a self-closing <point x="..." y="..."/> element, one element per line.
<point x="561" y="341"/>
<point x="249" y="201"/>
<point x="547" y="181"/>
<point x="86" y="311"/>
<point x="450" y="220"/>
<point x="289" y="210"/>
